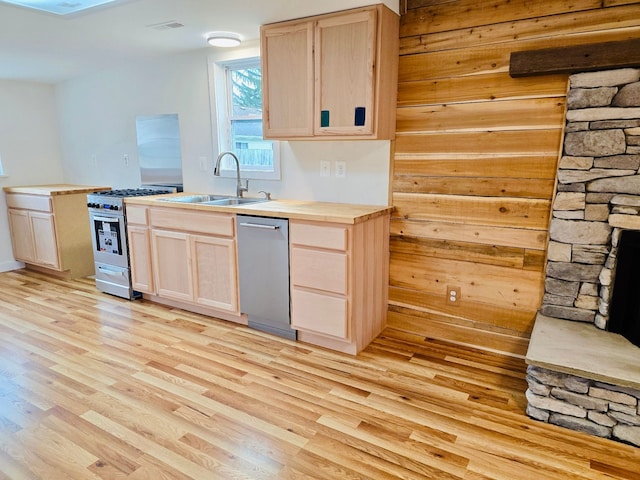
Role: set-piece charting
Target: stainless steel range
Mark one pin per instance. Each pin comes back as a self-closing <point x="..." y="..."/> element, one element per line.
<point x="109" y="235"/>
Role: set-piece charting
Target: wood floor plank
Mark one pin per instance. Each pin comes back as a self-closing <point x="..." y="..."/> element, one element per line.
<point x="97" y="387"/>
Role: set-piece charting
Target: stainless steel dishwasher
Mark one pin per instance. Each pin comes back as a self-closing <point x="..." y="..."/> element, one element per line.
<point x="263" y="264"/>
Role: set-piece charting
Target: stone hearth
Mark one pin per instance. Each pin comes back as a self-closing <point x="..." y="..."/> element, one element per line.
<point x="598" y="196"/>
<point x="584" y="379"/>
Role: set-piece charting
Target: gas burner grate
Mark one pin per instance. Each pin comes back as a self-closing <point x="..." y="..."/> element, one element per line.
<point x="132" y="192"/>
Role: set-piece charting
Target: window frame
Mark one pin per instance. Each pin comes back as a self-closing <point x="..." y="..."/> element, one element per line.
<point x="223" y="104"/>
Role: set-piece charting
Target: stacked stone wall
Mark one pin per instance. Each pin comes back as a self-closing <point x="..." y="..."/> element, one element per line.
<point x="598" y="194"/>
<point x="585" y="405"/>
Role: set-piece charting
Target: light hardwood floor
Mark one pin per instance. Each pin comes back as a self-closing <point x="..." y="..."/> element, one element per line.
<point x="96" y="387"/>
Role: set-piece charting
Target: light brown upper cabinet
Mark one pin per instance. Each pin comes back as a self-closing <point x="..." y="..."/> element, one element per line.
<point x="332" y="76"/>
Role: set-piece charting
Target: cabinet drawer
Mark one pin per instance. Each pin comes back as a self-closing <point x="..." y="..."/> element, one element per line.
<point x="319" y="269"/>
<point x="137" y="215"/>
<point x="318" y="235"/>
<point x="319" y="313"/>
<point x="180" y="219"/>
<point x="29" y="202"/>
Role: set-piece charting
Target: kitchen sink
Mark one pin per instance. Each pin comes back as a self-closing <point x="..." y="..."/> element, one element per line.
<point x="197" y="198"/>
<point x="223" y="200"/>
<point x="234" y="201"/>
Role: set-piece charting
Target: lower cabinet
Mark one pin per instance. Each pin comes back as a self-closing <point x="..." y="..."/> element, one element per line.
<point x="139" y="238"/>
<point x="51" y="231"/>
<point x="214" y="271"/>
<point x="185" y="256"/>
<point x="196" y="268"/>
<point x="34" y="237"/>
<point x="339" y="282"/>
<point x="172" y="266"/>
<point x="338" y="272"/>
<point x="320" y="257"/>
<point x="22" y="235"/>
<point x="45" y="246"/>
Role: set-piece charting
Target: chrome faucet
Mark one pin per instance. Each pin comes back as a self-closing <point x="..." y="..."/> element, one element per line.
<point x="240" y="189"/>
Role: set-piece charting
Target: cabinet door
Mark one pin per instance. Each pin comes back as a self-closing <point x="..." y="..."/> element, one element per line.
<point x="140" y="257"/>
<point x="345" y="48"/>
<point x="21" y="235"/>
<point x="215" y="272"/>
<point x="287" y="80"/>
<point x="44" y="239"/>
<point x="172" y="263"/>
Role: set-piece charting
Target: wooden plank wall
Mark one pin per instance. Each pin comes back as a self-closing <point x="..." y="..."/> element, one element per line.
<point x="475" y="160"/>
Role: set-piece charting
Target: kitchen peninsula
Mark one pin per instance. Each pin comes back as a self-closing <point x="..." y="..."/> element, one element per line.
<point x="50" y="227"/>
<point x="339" y="262"/>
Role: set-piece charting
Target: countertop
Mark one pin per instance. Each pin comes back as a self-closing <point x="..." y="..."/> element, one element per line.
<point x="55" y="189"/>
<point x="292" y="209"/>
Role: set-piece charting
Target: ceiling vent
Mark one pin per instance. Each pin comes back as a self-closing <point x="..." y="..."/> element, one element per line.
<point x="166" y="25"/>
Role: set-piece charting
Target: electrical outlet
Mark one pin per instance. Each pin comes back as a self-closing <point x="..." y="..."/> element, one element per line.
<point x="325" y="168"/>
<point x="341" y="169"/>
<point x="203" y="163"/>
<point x="126" y="160"/>
<point x="453" y="295"/>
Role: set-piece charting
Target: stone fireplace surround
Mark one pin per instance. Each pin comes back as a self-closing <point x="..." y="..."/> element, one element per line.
<point x="581" y="376"/>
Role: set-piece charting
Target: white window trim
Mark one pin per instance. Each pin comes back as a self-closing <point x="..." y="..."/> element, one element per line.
<point x="220" y="120"/>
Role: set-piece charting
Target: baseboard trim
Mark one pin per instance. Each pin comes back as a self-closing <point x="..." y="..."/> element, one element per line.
<point x="9" y="266"/>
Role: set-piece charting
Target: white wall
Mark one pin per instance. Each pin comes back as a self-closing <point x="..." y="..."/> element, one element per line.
<point x="97" y="117"/>
<point x="29" y="147"/>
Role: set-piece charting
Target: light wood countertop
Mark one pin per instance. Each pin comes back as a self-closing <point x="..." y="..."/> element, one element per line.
<point x="55" y="189"/>
<point x="292" y="209"/>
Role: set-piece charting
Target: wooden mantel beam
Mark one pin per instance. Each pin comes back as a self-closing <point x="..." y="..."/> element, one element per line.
<point x="581" y="58"/>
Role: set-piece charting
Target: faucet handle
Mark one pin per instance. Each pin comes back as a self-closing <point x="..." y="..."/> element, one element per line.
<point x="267" y="195"/>
<point x="242" y="188"/>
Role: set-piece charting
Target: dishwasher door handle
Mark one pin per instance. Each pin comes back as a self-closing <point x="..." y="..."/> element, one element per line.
<point x="260" y="225"/>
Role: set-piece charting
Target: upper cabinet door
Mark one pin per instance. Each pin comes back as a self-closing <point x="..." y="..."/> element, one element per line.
<point x="331" y="76"/>
<point x="344" y="63"/>
<point x="287" y="80"/>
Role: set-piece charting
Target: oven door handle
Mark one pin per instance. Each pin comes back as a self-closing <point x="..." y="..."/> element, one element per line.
<point x="106" y="271"/>
<point x="106" y="219"/>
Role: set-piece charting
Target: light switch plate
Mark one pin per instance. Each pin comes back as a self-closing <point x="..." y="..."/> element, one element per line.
<point x="325" y="168"/>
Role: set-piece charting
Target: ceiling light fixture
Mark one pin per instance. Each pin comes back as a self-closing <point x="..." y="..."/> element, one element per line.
<point x="223" y="39"/>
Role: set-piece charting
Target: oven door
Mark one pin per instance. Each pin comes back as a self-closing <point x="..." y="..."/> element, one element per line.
<point x="109" y="239"/>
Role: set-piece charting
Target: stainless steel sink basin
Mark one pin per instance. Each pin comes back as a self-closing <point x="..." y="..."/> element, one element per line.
<point x="235" y="201"/>
<point x="196" y="198"/>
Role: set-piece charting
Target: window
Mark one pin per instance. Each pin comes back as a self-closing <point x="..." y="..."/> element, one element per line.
<point x="239" y="112"/>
